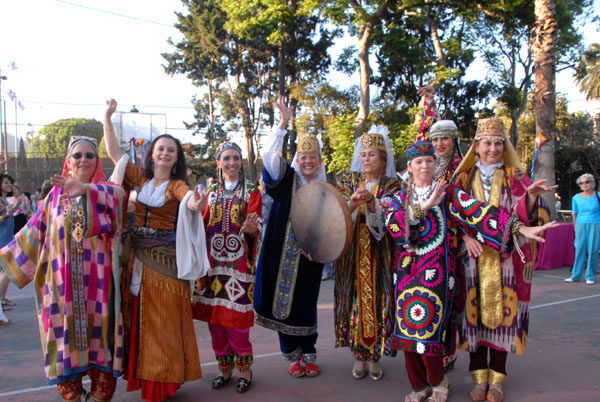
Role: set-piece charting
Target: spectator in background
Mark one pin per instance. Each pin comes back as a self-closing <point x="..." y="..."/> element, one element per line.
<point x="6" y="232"/>
<point x="557" y="203"/>
<point x="23" y="208"/>
<point x="586" y="221"/>
<point x="45" y="189"/>
<point x="267" y="200"/>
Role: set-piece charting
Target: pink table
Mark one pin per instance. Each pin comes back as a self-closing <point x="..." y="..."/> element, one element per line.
<point x="558" y="250"/>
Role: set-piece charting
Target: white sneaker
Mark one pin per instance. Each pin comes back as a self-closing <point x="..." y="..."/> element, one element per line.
<point x="571" y="280"/>
<point x="590" y="282"/>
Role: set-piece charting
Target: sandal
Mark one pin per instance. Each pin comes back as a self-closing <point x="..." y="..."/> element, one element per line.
<point x="5" y="321"/>
<point x="312" y="370"/>
<point x="220" y="381"/>
<point x="6" y="302"/>
<point x="478" y="393"/>
<point x="439" y="393"/>
<point x="418" y="396"/>
<point x="243" y="385"/>
<point x="296" y="370"/>
<point x="495" y="394"/>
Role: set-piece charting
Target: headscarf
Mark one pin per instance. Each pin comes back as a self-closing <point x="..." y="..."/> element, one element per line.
<point x="224" y="146"/>
<point x="98" y="176"/>
<point x="376" y="138"/>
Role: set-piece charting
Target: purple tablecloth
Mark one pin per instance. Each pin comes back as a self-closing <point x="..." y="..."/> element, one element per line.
<point x="558" y="250"/>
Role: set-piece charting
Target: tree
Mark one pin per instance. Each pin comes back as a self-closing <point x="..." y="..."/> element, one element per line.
<point x="587" y="73"/>
<point x="56" y="136"/>
<point x="543" y="43"/>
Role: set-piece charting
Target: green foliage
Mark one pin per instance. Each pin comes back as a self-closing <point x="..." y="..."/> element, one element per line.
<point x="56" y="136"/>
<point x="341" y="139"/>
<point x="587" y="73"/>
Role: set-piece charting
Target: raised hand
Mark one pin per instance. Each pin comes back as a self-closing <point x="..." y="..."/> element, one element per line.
<point x="112" y="106"/>
<point x="539" y="187"/>
<point x="426" y="92"/>
<point x="250" y="225"/>
<point x="436" y="196"/>
<point x="286" y="113"/>
<point x="533" y="232"/>
<point x="197" y="202"/>
<point x="71" y="186"/>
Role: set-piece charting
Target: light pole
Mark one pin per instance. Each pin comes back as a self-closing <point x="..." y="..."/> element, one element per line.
<point x="2" y="130"/>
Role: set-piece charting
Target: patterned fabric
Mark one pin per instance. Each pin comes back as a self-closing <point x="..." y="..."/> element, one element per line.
<point x="446" y="172"/>
<point x="425" y="267"/>
<point x="229" y="344"/>
<point x="229" y="296"/>
<point x="308" y="145"/>
<point x="42" y="252"/>
<point x="224" y="146"/>
<point x="419" y="148"/>
<point x="364" y="307"/>
<point x="511" y="334"/>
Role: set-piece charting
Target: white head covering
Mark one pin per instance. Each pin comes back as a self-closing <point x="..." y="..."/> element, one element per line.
<point x="390" y="168"/>
<point x="320" y="175"/>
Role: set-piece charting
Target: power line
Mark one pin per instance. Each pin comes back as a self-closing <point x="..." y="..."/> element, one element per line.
<point x="117" y="14"/>
<point x="104" y="105"/>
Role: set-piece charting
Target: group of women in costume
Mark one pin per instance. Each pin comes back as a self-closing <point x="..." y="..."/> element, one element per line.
<point x="447" y="255"/>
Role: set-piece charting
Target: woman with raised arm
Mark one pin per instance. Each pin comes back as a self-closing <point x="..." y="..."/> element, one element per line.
<point x="70" y="249"/>
<point x="162" y="352"/>
<point x="498" y="286"/>
<point x="364" y="307"/>
<point x="232" y="220"/>
<point x="287" y="280"/>
<point x="422" y="220"/>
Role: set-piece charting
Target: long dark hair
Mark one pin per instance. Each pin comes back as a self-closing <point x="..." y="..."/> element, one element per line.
<point x="179" y="170"/>
<point x="12" y="181"/>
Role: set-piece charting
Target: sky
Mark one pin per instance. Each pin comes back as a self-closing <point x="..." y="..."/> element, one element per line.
<point x="71" y="56"/>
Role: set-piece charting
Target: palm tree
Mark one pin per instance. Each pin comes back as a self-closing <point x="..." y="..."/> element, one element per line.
<point x="587" y="74"/>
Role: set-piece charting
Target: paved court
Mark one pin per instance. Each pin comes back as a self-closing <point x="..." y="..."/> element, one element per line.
<point x="562" y="362"/>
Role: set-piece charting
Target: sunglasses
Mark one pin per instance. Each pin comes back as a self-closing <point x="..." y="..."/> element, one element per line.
<point x="584" y="182"/>
<point x="78" y="155"/>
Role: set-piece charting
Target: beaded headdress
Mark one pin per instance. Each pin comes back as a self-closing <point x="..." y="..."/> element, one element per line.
<point x="443" y="128"/>
<point x="419" y="148"/>
<point x="224" y="146"/>
<point x="308" y="145"/>
<point x="490" y="128"/>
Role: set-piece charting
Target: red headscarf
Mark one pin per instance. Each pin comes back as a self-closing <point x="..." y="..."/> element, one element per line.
<point x="98" y="176"/>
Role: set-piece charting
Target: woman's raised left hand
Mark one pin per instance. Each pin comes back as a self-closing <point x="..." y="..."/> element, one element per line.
<point x="71" y="186"/>
<point x="539" y="187"/>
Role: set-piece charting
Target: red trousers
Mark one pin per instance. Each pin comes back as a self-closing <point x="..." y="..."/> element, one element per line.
<point x="423" y="370"/>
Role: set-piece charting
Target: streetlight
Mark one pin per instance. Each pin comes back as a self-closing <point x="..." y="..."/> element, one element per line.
<point x="2" y="127"/>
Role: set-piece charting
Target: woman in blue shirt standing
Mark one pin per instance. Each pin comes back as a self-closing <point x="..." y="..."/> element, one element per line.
<point x="6" y="235"/>
<point x="586" y="220"/>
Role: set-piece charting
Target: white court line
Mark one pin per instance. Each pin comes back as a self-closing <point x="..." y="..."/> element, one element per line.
<point x="24" y="391"/>
<point x="214" y="363"/>
<point x="550" y="276"/>
<point x="564" y="301"/>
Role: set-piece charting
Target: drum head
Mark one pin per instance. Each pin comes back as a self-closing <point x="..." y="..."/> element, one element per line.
<point x="321" y="221"/>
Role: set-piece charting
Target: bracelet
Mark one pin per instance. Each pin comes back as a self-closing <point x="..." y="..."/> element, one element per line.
<point x="372" y="198"/>
<point x="516" y="226"/>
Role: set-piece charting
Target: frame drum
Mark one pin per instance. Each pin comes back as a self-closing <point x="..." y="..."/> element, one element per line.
<point x="321" y="221"/>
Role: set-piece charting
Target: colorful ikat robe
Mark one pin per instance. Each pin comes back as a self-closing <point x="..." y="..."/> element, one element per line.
<point x="424" y="267"/>
<point x="508" y="191"/>
<point x="364" y="306"/>
<point x="229" y="287"/>
<point x="78" y="303"/>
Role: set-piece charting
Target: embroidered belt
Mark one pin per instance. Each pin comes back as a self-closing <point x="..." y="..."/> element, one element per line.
<point x="156" y="249"/>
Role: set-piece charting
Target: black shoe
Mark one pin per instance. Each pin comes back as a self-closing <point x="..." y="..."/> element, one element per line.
<point x="243" y="385"/>
<point x="220" y="382"/>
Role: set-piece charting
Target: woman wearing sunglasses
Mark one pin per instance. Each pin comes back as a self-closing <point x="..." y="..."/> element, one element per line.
<point x="70" y="249"/>
<point x="586" y="221"/>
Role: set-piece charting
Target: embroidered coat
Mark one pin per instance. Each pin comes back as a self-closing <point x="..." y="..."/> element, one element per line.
<point x="228" y="296"/>
<point x="364" y="307"/>
<point x="425" y="268"/>
<point x="76" y="283"/>
<point x="287" y="283"/>
<point x="509" y="190"/>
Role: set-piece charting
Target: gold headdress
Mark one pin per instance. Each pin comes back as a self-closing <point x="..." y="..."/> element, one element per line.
<point x="308" y="144"/>
<point x="486" y="129"/>
<point x="374" y="138"/>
